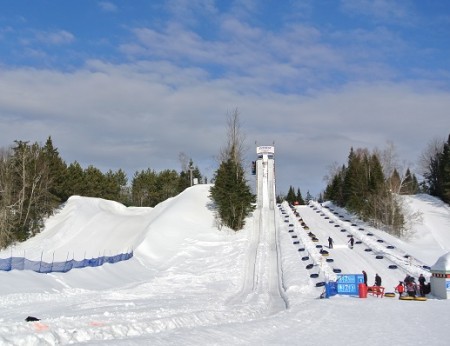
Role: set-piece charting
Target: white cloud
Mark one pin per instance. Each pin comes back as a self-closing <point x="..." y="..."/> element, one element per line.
<point x="107" y="6"/>
<point x="141" y="115"/>
<point x="59" y="37"/>
<point x="381" y="10"/>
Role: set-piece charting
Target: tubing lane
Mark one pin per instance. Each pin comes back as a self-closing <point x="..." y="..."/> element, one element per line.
<point x="262" y="286"/>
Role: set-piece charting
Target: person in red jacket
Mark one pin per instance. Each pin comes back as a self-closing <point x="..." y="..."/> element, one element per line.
<point x="399" y="289"/>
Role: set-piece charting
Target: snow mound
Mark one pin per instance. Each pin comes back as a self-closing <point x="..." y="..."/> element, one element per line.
<point x="89" y="227"/>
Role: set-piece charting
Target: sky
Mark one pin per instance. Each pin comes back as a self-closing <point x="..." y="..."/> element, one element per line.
<point x="190" y="284"/>
<point x="132" y="84"/>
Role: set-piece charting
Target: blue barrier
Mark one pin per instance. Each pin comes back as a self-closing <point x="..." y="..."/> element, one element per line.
<point x="21" y="263"/>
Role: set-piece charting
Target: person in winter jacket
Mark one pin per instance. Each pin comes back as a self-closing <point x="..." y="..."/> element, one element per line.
<point x="351" y="242"/>
<point x="411" y="288"/>
<point x="330" y="242"/>
<point x="422" y="285"/>
<point x="365" y="277"/>
<point x="407" y="279"/>
<point x="377" y="280"/>
<point x="399" y="289"/>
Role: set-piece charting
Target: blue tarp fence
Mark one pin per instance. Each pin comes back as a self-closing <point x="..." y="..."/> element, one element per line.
<point x="21" y="263"/>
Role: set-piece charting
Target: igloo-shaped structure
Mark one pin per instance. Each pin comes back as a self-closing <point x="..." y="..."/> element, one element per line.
<point x="440" y="277"/>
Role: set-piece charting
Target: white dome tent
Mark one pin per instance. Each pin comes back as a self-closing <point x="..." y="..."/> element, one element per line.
<point x="440" y="279"/>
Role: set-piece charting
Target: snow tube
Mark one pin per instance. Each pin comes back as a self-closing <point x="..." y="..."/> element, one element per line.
<point x="390" y="247"/>
<point x="393" y="266"/>
<point x="294" y="236"/>
<point x="420" y="299"/>
<point x="426" y="267"/>
<point x="337" y="270"/>
<point x="318" y="246"/>
<point x="310" y="266"/>
<point x="379" y="257"/>
<point x="343" y="230"/>
<point x="389" y="294"/>
<point x="370" y="234"/>
<point x="314" y="275"/>
<point x="296" y="242"/>
<point x="291" y="230"/>
<point x="301" y="249"/>
<point x="406" y="298"/>
<point x="358" y="242"/>
<point x="330" y="260"/>
<point x="367" y="250"/>
<point x="320" y="284"/>
<point x="324" y="253"/>
<point x="305" y="258"/>
<point x="315" y="240"/>
<point x="380" y="240"/>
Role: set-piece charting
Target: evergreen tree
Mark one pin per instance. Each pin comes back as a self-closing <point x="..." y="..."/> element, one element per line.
<point x="437" y="175"/>
<point x="57" y="171"/>
<point x="299" y="197"/>
<point x="410" y="185"/>
<point x="308" y="197"/>
<point x="232" y="195"/>
<point x="290" y="197"/>
<point x="73" y="181"/>
<point x="445" y="171"/>
<point x="143" y="189"/>
<point x="167" y="184"/>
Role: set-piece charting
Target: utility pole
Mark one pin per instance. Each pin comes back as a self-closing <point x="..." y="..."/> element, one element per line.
<point x="190" y="172"/>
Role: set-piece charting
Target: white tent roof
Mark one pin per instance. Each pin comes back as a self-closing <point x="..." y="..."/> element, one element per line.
<point x="442" y="264"/>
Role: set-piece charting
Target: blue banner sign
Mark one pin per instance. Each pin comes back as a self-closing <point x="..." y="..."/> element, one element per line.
<point x="348" y="283"/>
<point x="447" y="284"/>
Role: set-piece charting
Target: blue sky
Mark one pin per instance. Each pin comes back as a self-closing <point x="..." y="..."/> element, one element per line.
<point x="131" y="84"/>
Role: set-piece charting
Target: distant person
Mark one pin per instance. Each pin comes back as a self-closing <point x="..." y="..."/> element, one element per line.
<point x="365" y="277"/>
<point x="411" y="289"/>
<point x="330" y="242"/>
<point x="407" y="279"/>
<point x="422" y="285"/>
<point x="351" y="242"/>
<point x="399" y="289"/>
<point x="377" y="280"/>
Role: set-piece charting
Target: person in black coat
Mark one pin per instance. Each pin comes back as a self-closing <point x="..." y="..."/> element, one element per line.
<point x="422" y="285"/>
<point x="377" y="280"/>
<point x="365" y="277"/>
<point x="351" y="242"/>
<point x="330" y="242"/>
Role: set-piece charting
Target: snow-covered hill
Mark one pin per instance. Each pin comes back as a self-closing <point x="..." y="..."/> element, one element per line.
<point x="188" y="282"/>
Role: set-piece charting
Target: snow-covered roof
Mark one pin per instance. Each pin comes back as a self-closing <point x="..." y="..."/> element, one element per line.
<point x="442" y="264"/>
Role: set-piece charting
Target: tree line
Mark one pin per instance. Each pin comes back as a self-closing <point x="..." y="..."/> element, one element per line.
<point x="370" y="183"/>
<point x="435" y="163"/>
<point x="293" y="197"/>
<point x="35" y="180"/>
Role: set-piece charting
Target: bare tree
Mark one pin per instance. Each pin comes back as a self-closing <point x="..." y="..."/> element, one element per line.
<point x="6" y="210"/>
<point x="433" y="148"/>
<point x="235" y="147"/>
<point x="184" y="161"/>
<point x="333" y="170"/>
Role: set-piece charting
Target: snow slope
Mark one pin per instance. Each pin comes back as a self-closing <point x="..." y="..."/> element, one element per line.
<point x="189" y="283"/>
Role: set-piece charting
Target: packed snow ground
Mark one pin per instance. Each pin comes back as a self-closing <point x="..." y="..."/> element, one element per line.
<point x="192" y="284"/>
